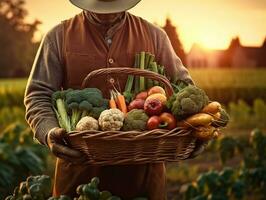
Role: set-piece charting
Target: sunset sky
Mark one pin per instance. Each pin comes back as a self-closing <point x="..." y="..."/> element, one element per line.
<point x="210" y="23"/>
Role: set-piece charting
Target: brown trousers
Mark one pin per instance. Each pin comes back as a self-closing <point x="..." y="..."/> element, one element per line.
<point x="127" y="182"/>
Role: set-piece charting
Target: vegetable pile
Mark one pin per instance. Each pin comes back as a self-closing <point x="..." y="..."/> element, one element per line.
<point x="71" y="106"/>
<point x="143" y="105"/>
<point x="40" y="188"/>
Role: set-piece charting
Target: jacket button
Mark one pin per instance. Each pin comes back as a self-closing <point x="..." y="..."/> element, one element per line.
<point x="111" y="61"/>
<point x="109" y="41"/>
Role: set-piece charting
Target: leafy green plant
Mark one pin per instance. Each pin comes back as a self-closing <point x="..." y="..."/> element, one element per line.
<point x="243" y="115"/>
<point x="40" y="187"/>
<point x="19" y="156"/>
<point x="9" y="115"/>
<point x="245" y="182"/>
<point x="259" y="109"/>
<point x="11" y="94"/>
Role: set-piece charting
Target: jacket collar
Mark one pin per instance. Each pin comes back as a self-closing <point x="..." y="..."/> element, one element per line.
<point x="109" y="30"/>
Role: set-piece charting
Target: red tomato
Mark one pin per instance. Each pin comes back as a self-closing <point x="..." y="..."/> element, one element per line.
<point x="153" y="123"/>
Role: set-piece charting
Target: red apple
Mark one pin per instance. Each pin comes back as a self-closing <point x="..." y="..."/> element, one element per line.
<point x="164" y="121"/>
<point x="136" y="104"/>
<point x="155" y="90"/>
<point x="153" y="107"/>
<point x="159" y="97"/>
<point x="167" y="121"/>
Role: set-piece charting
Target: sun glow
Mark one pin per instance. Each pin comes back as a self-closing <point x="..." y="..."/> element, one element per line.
<point x="212" y="41"/>
<point x="212" y="24"/>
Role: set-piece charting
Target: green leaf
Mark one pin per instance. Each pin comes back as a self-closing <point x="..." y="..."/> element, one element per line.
<point x="30" y="161"/>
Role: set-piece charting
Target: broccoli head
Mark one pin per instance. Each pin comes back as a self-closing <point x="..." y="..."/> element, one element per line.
<point x="188" y="101"/>
<point x="82" y="102"/>
<point x="73" y="96"/>
<point x="136" y="119"/>
<point x="86" y="107"/>
<point x="92" y="90"/>
<point x="71" y="105"/>
<point x="96" y="99"/>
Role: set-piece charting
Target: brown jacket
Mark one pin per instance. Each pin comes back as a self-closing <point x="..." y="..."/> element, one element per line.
<point x="83" y="49"/>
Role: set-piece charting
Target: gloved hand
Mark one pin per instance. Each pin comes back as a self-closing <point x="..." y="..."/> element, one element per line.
<point x="58" y="146"/>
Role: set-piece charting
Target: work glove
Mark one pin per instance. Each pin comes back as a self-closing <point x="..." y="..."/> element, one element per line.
<point x="58" y="146"/>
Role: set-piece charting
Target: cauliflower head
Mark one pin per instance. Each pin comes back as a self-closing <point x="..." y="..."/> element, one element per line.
<point x="136" y="119"/>
<point x="188" y="101"/>
<point x="111" y="120"/>
<point x="87" y="123"/>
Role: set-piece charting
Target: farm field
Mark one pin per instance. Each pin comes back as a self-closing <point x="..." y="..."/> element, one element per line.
<point x="243" y="92"/>
<point x="227" y="85"/>
<point x="224" y="84"/>
<point x="206" y="78"/>
<point x="223" y="78"/>
<point x="19" y="83"/>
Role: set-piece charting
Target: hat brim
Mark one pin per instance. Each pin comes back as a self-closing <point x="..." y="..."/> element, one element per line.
<point x="105" y="7"/>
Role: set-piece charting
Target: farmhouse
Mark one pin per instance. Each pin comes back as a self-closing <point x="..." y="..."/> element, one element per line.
<point x="236" y="56"/>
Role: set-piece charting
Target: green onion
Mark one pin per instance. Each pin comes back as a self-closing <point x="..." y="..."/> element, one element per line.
<point x="136" y="87"/>
<point x="154" y="68"/>
<point x="147" y="60"/>
<point x="142" y="66"/>
<point x="128" y="88"/>
<point x="149" y="82"/>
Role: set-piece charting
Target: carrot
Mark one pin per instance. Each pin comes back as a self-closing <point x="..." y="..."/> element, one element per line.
<point x="212" y="108"/>
<point x="121" y="103"/>
<point x="112" y="103"/>
<point x="120" y="100"/>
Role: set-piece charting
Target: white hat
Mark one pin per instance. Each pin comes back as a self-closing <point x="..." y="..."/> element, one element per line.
<point x="105" y="6"/>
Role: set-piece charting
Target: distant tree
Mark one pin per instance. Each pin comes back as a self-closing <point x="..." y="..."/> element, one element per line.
<point x="17" y="49"/>
<point x="235" y="43"/>
<point x="264" y="43"/>
<point x="262" y="55"/>
<point x="170" y="29"/>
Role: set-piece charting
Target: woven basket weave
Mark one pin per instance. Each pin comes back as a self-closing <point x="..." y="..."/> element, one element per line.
<point x="133" y="147"/>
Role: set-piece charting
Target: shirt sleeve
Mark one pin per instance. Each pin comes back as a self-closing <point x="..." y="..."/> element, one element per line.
<point x="45" y="78"/>
<point x="166" y="56"/>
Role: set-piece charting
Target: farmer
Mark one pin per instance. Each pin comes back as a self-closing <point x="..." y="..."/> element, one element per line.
<point x="103" y="35"/>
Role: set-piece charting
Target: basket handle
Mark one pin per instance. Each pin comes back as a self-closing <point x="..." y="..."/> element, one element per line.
<point x="130" y="71"/>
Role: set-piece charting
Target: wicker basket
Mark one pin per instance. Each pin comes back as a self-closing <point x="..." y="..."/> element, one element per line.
<point x="133" y="147"/>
